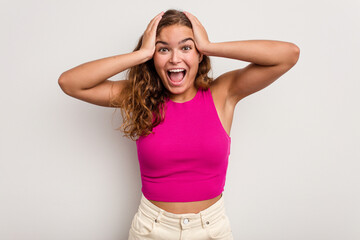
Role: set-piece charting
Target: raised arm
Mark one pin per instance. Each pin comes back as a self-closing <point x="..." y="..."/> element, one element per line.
<point x="269" y="60"/>
<point x="88" y="81"/>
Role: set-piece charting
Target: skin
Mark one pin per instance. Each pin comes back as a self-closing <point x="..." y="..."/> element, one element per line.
<point x="268" y="61"/>
<point x="175" y="48"/>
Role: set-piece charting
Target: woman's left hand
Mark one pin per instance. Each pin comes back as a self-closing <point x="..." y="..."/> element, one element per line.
<point x="201" y="38"/>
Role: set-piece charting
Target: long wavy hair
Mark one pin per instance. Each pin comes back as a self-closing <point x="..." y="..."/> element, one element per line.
<point x="143" y="99"/>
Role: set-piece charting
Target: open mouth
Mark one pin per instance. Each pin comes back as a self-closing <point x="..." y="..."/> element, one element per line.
<point x="176" y="76"/>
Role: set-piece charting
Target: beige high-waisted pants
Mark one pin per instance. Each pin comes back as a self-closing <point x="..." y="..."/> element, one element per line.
<point x="152" y="222"/>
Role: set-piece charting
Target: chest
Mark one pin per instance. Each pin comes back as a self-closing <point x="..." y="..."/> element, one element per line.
<point x="191" y="136"/>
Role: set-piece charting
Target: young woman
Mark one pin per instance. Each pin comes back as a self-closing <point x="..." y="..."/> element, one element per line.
<point x="180" y="118"/>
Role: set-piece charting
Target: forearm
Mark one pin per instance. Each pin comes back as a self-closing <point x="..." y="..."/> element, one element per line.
<point x="90" y="74"/>
<point x="261" y="52"/>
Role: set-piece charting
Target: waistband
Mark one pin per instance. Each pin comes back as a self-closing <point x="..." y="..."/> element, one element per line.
<point x="204" y="218"/>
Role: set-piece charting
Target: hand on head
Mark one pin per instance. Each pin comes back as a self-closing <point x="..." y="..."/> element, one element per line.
<point x="200" y="34"/>
<point x="149" y="37"/>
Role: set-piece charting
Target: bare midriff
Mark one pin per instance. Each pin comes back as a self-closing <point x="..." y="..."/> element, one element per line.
<point x="186" y="207"/>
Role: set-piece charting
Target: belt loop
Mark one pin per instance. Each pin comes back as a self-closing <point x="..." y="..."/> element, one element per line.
<point x="157" y="220"/>
<point x="204" y="222"/>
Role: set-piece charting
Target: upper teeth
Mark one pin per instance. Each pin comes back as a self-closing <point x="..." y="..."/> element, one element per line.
<point x="176" y="70"/>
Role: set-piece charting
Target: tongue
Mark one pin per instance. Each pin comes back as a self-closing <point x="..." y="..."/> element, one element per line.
<point x="176" y="76"/>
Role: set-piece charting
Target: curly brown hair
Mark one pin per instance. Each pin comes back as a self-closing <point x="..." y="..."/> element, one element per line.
<point x="142" y="100"/>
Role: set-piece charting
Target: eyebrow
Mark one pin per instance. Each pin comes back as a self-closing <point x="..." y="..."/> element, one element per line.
<point x="182" y="41"/>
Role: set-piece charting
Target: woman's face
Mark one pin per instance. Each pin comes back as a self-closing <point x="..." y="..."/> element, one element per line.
<point x="176" y="59"/>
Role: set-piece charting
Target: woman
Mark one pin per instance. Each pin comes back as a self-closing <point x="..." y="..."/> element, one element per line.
<point x="181" y="118"/>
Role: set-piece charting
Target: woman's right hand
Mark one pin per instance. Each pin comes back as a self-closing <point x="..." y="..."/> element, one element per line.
<point x="149" y="36"/>
<point x="89" y="81"/>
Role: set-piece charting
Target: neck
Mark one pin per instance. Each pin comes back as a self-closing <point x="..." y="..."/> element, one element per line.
<point x="185" y="96"/>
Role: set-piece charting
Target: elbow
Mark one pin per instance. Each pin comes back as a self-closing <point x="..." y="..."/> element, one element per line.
<point x="295" y="53"/>
<point x="62" y="81"/>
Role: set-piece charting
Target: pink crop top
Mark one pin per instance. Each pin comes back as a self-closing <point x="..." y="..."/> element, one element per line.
<point x="186" y="158"/>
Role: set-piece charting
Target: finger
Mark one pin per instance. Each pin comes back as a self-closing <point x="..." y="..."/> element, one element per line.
<point x="156" y="18"/>
<point x="192" y="18"/>
<point x="187" y="13"/>
<point x="196" y="20"/>
<point x="156" y="21"/>
<point x="189" y="16"/>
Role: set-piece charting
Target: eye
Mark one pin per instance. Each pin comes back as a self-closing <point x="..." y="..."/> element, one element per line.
<point x="187" y="47"/>
<point x="163" y="50"/>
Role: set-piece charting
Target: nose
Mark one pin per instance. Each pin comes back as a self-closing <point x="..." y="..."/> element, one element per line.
<point x="175" y="58"/>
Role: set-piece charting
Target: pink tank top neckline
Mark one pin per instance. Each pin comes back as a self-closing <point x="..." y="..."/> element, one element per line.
<point x="187" y="102"/>
<point x="185" y="159"/>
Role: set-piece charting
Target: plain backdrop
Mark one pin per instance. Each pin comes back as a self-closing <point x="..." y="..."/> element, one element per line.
<point x="66" y="173"/>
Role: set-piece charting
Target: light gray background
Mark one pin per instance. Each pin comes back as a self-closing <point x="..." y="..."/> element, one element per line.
<point x="65" y="173"/>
